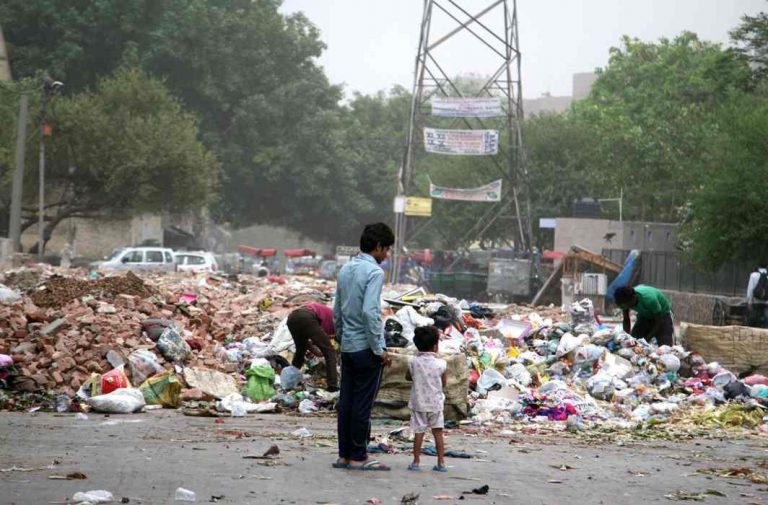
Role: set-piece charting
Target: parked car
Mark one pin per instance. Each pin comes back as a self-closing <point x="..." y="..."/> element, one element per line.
<point x="195" y="261"/>
<point x="156" y="259"/>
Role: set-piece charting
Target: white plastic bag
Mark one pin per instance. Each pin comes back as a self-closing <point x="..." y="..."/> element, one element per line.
<point x="567" y="344"/>
<point x="119" y="401"/>
<point x="184" y="495"/>
<point x="143" y="364"/>
<point x="236" y="402"/>
<point x="98" y="496"/>
<point x="410" y="319"/>
<point x="8" y="296"/>
<point x="489" y="379"/>
<point x="307" y="406"/>
<point x="519" y="374"/>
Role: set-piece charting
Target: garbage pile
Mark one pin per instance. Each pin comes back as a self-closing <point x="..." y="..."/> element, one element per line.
<point x="84" y="338"/>
<point x="583" y="373"/>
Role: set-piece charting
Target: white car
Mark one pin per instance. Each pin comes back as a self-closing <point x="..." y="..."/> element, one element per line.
<point x="153" y="259"/>
<point x="194" y="261"/>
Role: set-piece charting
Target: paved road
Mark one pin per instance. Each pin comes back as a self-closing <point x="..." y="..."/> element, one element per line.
<point x="145" y="457"/>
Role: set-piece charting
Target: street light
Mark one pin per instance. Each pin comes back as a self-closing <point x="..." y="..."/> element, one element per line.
<point x="49" y="88"/>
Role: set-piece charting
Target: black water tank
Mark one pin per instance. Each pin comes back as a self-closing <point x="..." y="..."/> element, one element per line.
<point x="587" y="208"/>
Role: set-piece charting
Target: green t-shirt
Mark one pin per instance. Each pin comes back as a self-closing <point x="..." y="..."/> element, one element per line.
<point x="651" y="302"/>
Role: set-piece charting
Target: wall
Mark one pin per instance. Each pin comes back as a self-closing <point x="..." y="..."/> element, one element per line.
<point x="95" y="238"/>
<point x="695" y="307"/>
<point x="650" y="236"/>
<point x="587" y="233"/>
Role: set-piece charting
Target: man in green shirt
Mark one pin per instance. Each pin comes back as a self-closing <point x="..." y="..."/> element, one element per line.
<point x="654" y="313"/>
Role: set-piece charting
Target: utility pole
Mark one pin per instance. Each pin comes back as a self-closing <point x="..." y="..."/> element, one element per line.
<point x="18" y="174"/>
<point x="495" y="27"/>
<point x="41" y="182"/>
<point x="48" y="89"/>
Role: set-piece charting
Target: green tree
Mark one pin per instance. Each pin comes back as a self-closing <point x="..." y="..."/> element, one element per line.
<point x="249" y="73"/>
<point x="728" y="218"/>
<point x="127" y="147"/>
<point x="751" y="37"/>
<point x="652" y="114"/>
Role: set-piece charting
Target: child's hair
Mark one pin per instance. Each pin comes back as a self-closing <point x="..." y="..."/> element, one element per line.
<point x="425" y="338"/>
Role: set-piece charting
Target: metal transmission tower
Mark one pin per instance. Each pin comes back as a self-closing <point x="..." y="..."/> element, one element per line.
<point x="491" y="36"/>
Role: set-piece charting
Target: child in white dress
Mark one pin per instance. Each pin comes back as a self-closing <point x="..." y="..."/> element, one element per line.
<point x="428" y="373"/>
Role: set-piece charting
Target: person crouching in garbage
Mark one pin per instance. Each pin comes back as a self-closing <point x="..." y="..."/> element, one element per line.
<point x="311" y="328"/>
<point x="654" y="313"/>
<point x="428" y="373"/>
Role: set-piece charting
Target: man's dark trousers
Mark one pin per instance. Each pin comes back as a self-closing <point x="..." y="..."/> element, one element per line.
<point x="360" y="378"/>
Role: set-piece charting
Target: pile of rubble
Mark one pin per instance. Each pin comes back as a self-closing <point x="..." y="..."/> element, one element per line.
<point x="61" y="330"/>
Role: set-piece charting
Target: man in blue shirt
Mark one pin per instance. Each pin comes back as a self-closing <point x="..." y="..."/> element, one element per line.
<point x="357" y="319"/>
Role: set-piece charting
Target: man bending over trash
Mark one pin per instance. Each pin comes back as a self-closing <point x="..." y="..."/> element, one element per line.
<point x="311" y="328"/>
<point x="654" y="313"/>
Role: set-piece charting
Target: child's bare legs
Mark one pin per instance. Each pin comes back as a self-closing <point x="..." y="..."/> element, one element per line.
<point x="417" y="441"/>
<point x="439" y="445"/>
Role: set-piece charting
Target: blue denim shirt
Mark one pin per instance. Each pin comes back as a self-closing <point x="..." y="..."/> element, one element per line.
<point x="357" y="311"/>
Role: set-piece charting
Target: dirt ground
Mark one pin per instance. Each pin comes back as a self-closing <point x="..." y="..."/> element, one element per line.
<point x="144" y="457"/>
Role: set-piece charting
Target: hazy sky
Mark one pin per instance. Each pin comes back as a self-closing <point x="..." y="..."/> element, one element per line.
<point x="372" y="43"/>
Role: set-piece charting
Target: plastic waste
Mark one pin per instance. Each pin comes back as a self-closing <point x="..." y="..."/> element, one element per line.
<point x="62" y="403"/>
<point x="573" y="423"/>
<point x="97" y="496"/>
<point x="302" y="433"/>
<point x="642" y="413"/>
<point x="81" y="417"/>
<point x="567" y="344"/>
<point x="290" y="377"/>
<point x="752" y="380"/>
<point x="143" y="364"/>
<point x="664" y="407"/>
<point x="238" y="409"/>
<point x="410" y="320"/>
<point x="490" y="379"/>
<point x="519" y="374"/>
<point x="114" y="379"/>
<point x="8" y="296"/>
<point x="759" y="391"/>
<point x="162" y="389"/>
<point x="120" y="401"/>
<point x="184" y="495"/>
<point x="228" y="403"/>
<point x="601" y="385"/>
<point x="115" y="359"/>
<point x="722" y="379"/>
<point x="670" y="362"/>
<point x="173" y="346"/>
<point x="307" y="406"/>
<point x="582" y="312"/>
<point x="260" y="379"/>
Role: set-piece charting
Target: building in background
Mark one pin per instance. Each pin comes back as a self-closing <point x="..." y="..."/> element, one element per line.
<point x="582" y="85"/>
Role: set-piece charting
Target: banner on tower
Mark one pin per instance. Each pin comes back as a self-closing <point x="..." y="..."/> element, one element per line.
<point x="454" y="106"/>
<point x="461" y="142"/>
<point x="491" y="192"/>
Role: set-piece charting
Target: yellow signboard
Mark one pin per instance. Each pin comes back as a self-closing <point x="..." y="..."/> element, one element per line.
<point x="415" y="206"/>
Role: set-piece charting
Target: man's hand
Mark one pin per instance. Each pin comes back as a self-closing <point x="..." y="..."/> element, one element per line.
<point x="386" y="358"/>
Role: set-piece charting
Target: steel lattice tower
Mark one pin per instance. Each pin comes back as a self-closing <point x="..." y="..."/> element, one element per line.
<point x="494" y="32"/>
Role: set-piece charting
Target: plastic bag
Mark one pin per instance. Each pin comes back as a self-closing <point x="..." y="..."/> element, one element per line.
<point x="120" y="401"/>
<point x="490" y="379"/>
<point x="8" y="296"/>
<point x="519" y="374"/>
<point x="98" y="496"/>
<point x="235" y="401"/>
<point x="290" y="377"/>
<point x="162" y="389"/>
<point x="114" y="379"/>
<point x="567" y="344"/>
<point x="155" y="327"/>
<point x="670" y="362"/>
<point x="172" y="346"/>
<point x="5" y="360"/>
<point x="307" y="406"/>
<point x="260" y="379"/>
<point x="582" y="312"/>
<point x="143" y="365"/>
<point x="410" y="320"/>
<point x="601" y="386"/>
<point x="184" y="495"/>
